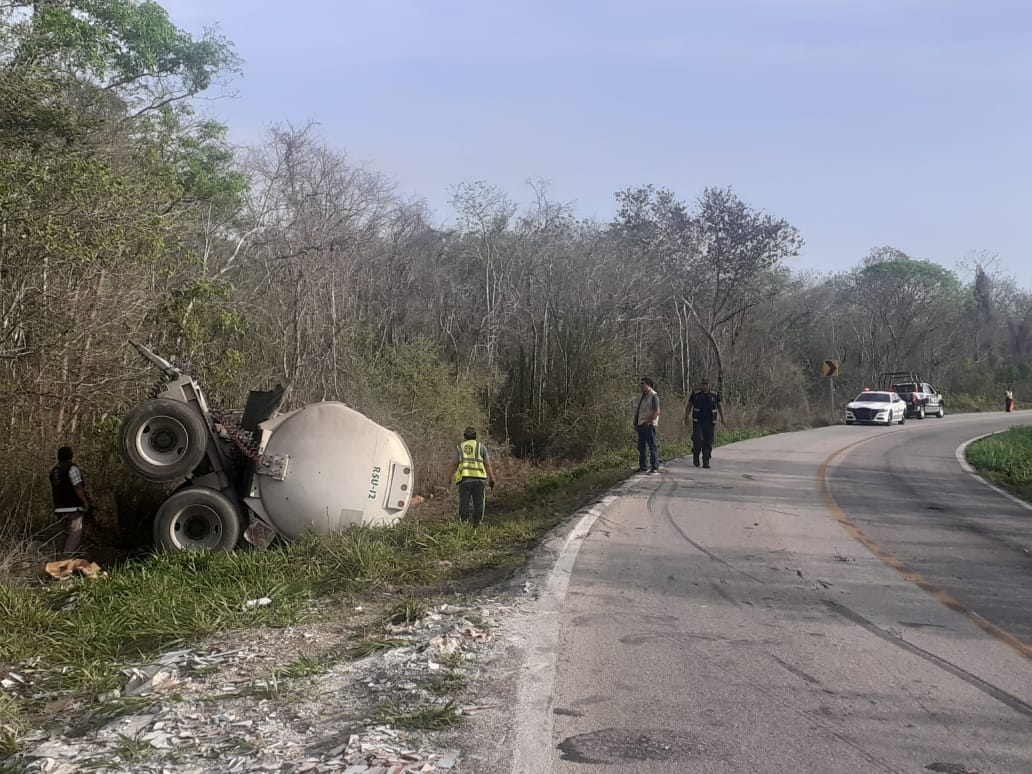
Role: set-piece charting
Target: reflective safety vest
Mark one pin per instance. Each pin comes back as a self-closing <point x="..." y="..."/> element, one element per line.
<point x="471" y="461"/>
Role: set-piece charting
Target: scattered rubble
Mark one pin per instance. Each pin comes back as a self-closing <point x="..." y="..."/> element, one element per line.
<point x="279" y="700"/>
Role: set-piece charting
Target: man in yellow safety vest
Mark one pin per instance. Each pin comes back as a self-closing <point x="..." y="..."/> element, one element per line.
<point x="471" y="472"/>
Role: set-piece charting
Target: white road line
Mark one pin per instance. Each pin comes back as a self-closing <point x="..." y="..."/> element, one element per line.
<point x="533" y="749"/>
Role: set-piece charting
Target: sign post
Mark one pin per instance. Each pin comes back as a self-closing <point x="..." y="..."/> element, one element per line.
<point x="830" y="368"/>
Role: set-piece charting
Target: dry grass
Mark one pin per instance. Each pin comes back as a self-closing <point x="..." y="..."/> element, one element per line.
<point x="23" y="561"/>
<point x="22" y="558"/>
<point x="512" y="474"/>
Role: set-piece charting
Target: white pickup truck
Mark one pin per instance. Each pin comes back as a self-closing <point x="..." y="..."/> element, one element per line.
<point x="258" y="474"/>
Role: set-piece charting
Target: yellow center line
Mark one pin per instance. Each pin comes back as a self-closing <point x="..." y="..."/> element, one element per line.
<point x="1009" y="639"/>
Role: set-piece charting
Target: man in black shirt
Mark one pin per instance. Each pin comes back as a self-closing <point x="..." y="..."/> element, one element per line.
<point x="701" y="411"/>
<point x="70" y="498"/>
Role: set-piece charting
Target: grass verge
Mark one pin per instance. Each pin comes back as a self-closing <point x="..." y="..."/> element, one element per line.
<point x="433" y="717"/>
<point x="1006" y="460"/>
<point x="68" y="641"/>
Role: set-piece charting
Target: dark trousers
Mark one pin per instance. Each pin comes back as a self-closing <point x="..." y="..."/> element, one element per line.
<point x="472" y="499"/>
<point x="647" y="444"/>
<point x="702" y="440"/>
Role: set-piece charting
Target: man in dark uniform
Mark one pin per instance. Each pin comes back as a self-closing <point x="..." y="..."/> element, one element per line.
<point x="71" y="500"/>
<point x="701" y="411"/>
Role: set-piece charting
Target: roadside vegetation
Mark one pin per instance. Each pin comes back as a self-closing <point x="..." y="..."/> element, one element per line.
<point x="70" y="639"/>
<point x="1006" y="460"/>
<point x="127" y="212"/>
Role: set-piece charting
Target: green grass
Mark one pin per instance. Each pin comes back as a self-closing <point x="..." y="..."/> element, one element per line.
<point x="11" y="725"/>
<point x="406" y="611"/>
<point x="367" y="646"/>
<point x="70" y="639"/>
<point x="1006" y="460"/>
<point x="131" y="750"/>
<point x="429" y="718"/>
<point x="103" y="712"/>
<point x="82" y="627"/>
<point x="306" y="666"/>
<point x="447" y="683"/>
<point x="238" y="746"/>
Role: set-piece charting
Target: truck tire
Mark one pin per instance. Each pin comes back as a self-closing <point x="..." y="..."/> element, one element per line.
<point x="920" y="412"/>
<point x="163" y="440"/>
<point x="197" y="519"/>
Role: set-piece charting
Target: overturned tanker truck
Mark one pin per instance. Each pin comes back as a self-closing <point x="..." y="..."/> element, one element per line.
<point x="258" y="475"/>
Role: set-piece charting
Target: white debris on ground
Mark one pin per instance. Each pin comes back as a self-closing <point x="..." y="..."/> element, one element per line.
<point x="278" y="700"/>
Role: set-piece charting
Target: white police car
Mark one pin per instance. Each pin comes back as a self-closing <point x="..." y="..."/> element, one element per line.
<point x="876" y="407"/>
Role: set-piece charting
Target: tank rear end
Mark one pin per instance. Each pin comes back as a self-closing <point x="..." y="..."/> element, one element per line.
<point x="327" y="467"/>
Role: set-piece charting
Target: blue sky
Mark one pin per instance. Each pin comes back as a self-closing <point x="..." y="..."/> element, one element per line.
<point x="863" y="123"/>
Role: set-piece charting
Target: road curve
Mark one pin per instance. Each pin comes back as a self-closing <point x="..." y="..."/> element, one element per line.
<point x="916" y="508"/>
<point x="846" y="599"/>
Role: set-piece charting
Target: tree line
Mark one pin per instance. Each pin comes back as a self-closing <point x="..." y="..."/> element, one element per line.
<point x="126" y="214"/>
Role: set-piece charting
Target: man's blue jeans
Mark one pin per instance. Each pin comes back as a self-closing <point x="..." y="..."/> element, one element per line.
<point x="647" y="443"/>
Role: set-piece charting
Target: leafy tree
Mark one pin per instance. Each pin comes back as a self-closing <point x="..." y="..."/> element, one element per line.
<point x="128" y="50"/>
<point x="722" y="259"/>
<point x="738" y="263"/>
<point x="103" y="171"/>
<point x="906" y="310"/>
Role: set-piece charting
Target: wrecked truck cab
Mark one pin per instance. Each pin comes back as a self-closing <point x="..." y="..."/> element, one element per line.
<point x="259" y="474"/>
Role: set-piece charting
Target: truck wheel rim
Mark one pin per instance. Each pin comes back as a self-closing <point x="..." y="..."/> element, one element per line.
<point x="162" y="441"/>
<point x="197" y="526"/>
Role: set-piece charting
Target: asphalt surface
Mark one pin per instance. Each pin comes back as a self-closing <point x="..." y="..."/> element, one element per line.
<point x="846" y="599"/>
<point x="908" y="494"/>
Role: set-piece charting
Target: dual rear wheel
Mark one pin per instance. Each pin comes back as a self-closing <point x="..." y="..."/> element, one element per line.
<point x="162" y="441"/>
<point x="197" y="519"/>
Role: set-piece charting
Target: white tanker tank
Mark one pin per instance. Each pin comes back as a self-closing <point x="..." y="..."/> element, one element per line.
<point x="259" y="474"/>
<point x="340" y="469"/>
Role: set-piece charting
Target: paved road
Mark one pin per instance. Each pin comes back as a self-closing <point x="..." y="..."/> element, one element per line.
<point x="845" y="599"/>
<point x="909" y="496"/>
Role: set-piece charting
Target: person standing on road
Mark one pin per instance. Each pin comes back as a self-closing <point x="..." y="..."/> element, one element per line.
<point x="472" y="472"/>
<point x="701" y="411"/>
<point x="646" y="422"/>
<point x="1008" y="400"/>
<point x="71" y="501"/>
